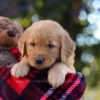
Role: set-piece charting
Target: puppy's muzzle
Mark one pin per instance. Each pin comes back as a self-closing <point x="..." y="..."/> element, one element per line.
<point x="39" y="60"/>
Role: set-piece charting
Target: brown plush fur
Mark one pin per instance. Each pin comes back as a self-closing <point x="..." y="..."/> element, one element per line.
<point x="10" y="31"/>
<point x="49" y="40"/>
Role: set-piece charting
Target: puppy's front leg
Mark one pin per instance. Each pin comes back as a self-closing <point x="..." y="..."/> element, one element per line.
<point x="20" y="69"/>
<point x="56" y="75"/>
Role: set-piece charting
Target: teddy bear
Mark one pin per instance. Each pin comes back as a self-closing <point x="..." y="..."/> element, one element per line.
<point x="10" y="31"/>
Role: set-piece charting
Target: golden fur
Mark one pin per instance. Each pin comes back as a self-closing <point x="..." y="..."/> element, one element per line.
<point x="49" y="40"/>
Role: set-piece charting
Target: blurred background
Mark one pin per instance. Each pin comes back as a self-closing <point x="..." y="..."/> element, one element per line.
<point x="81" y="18"/>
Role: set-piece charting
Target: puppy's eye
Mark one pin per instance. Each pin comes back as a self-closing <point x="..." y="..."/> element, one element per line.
<point x="33" y="44"/>
<point x="51" y="45"/>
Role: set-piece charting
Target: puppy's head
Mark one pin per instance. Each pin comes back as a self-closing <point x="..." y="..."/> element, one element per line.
<point x="10" y="32"/>
<point x="44" y="43"/>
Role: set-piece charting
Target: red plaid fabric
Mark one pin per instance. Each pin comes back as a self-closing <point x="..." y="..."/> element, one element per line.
<point x="16" y="53"/>
<point x="8" y="56"/>
<point x="36" y="87"/>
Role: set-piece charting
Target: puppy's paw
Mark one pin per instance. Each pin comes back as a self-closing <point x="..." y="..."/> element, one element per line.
<point x="56" y="79"/>
<point x="20" y="70"/>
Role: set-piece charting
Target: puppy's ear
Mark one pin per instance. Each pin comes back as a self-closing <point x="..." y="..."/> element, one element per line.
<point x="22" y="43"/>
<point x="22" y="46"/>
<point x="67" y="47"/>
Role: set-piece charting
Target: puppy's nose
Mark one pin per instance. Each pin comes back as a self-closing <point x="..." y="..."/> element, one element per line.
<point x="39" y="60"/>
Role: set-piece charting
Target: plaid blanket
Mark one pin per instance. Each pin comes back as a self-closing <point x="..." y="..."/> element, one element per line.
<point x="36" y="87"/>
<point x="8" y="56"/>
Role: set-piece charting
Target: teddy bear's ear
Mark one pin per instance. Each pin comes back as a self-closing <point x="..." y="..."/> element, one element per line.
<point x="67" y="47"/>
<point x="19" y="27"/>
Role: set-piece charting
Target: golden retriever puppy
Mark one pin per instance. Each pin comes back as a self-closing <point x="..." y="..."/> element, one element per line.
<point x="45" y="44"/>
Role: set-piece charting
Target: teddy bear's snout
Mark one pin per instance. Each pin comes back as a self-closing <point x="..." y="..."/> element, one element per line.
<point x="11" y="34"/>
